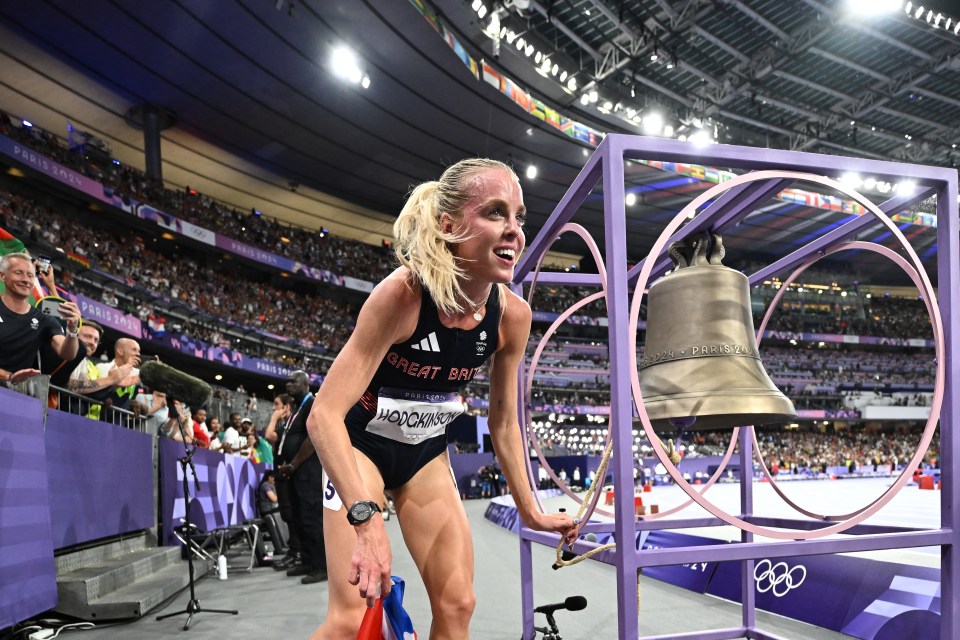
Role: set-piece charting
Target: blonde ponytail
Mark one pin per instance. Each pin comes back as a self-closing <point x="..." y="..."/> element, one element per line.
<point x="420" y="243"/>
<point x="421" y="246"/>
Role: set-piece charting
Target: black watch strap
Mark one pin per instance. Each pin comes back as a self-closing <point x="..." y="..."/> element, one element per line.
<point x="361" y="511"/>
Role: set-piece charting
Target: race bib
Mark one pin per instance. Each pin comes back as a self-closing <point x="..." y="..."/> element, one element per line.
<point x="331" y="499"/>
<point x="411" y="417"/>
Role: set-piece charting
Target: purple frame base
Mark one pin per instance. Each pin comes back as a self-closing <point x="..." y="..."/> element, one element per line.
<point x="607" y="164"/>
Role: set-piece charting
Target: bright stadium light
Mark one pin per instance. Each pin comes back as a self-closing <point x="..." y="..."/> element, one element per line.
<point x="700" y="138"/>
<point x="653" y="123"/>
<point x="346" y="65"/>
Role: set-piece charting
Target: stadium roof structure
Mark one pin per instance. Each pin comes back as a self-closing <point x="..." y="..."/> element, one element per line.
<point x="262" y="117"/>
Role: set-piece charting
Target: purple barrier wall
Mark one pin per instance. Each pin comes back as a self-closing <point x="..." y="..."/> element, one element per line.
<point x="502" y="511"/>
<point x="57" y="171"/>
<point x="860" y="597"/>
<point x="100" y="478"/>
<point x="227" y="493"/>
<point x="28" y="580"/>
<point x="205" y="351"/>
<point x="465" y="465"/>
<point x="108" y="316"/>
<point x="695" y="576"/>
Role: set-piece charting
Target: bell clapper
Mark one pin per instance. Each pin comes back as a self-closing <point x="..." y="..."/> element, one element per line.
<point x="672" y="453"/>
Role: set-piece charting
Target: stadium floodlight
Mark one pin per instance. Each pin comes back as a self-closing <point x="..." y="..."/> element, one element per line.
<point x="346" y="65"/>
<point x="493" y="29"/>
<point x="653" y="123"/>
<point x="851" y="179"/>
<point x="700" y="138"/>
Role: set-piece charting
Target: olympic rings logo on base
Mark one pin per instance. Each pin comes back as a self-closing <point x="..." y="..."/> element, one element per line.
<point x="778" y="578"/>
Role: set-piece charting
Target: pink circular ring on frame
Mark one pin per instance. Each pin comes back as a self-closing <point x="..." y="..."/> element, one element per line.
<point x="843" y="246"/>
<point x="528" y="387"/>
<point x="528" y="379"/>
<point x="923" y="285"/>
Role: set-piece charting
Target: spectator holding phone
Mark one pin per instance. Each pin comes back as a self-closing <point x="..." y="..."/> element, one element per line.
<point x="24" y="328"/>
<point x="45" y="274"/>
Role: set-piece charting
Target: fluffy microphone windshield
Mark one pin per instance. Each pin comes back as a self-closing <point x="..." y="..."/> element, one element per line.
<point x="193" y="392"/>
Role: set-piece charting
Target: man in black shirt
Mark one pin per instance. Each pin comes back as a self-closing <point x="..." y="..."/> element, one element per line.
<point x="283" y="409"/>
<point x="24" y="329"/>
<point x="303" y="466"/>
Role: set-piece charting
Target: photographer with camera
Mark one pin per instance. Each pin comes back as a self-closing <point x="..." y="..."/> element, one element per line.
<point x="24" y="329"/>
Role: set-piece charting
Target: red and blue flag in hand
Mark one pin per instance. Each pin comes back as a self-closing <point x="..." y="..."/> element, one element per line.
<point x="387" y="620"/>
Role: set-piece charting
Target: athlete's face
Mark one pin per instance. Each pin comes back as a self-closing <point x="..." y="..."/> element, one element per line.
<point x="492" y="222"/>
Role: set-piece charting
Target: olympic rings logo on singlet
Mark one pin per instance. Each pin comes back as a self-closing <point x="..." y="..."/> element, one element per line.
<point x="411" y="417"/>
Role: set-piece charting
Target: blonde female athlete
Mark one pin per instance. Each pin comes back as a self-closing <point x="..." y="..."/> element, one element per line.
<point x="380" y="418"/>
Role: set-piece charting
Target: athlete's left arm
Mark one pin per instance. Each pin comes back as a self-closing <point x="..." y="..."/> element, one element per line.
<point x="503" y="419"/>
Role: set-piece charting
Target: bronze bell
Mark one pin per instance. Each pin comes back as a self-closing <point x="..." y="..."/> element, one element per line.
<point x="700" y="359"/>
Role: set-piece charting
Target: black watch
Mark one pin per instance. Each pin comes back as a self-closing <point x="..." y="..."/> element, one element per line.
<point x="362" y="511"/>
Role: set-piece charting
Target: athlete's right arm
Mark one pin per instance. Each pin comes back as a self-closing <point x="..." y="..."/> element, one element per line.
<point x="388" y="316"/>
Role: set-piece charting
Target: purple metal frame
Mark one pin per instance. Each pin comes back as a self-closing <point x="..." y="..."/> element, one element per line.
<point x="607" y="164"/>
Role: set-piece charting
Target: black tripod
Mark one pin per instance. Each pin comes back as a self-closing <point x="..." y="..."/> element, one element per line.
<point x="551" y="632"/>
<point x="193" y="607"/>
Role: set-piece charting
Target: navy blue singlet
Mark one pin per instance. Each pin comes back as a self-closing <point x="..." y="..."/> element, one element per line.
<point x="400" y="423"/>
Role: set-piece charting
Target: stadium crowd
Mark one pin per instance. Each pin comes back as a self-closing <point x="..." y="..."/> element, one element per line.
<point x="159" y="278"/>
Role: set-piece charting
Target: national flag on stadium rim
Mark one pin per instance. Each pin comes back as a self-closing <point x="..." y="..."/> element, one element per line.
<point x="387" y="620"/>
